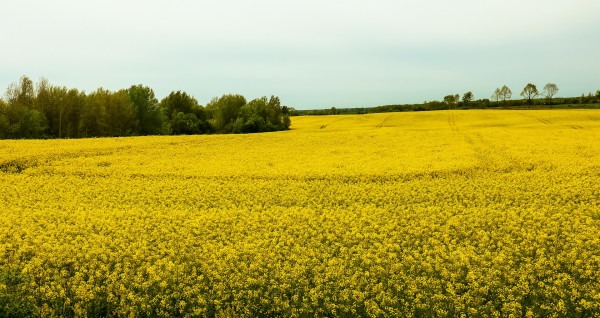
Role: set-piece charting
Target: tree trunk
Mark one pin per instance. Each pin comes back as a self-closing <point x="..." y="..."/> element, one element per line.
<point x="60" y="124"/>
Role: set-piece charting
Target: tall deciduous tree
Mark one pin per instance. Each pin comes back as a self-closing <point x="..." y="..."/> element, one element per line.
<point x="497" y="94"/>
<point x="21" y="93"/>
<point x="178" y="102"/>
<point x="148" y="114"/>
<point x="451" y="100"/>
<point x="505" y="93"/>
<point x="549" y="91"/>
<point x="75" y="100"/>
<point x="120" y="113"/>
<point x="18" y="118"/>
<point x="184" y="114"/>
<point x="225" y="111"/>
<point x="529" y="93"/>
<point x="467" y="98"/>
<point x="94" y="121"/>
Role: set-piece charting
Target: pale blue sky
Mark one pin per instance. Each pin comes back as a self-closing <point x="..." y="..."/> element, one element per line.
<point x="313" y="54"/>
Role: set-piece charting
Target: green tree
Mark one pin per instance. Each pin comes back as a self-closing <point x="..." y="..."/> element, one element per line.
<point x="148" y="114"/>
<point x="120" y="113"/>
<point x="225" y="111"/>
<point x="177" y="102"/>
<point x="93" y="116"/>
<point x="275" y="112"/>
<point x="18" y="118"/>
<point x="287" y="122"/>
<point x="529" y="93"/>
<point x="61" y="106"/>
<point x="21" y="93"/>
<point x="451" y="100"/>
<point x="186" y="124"/>
<point x="178" y="107"/>
<point x="75" y="103"/>
<point x="467" y="98"/>
<point x="260" y="114"/>
<point x="258" y="107"/>
<point x="52" y="101"/>
<point x="549" y="91"/>
<point x="17" y="121"/>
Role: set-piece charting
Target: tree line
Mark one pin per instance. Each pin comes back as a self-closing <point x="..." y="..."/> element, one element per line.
<point x="43" y="110"/>
<point x="501" y="97"/>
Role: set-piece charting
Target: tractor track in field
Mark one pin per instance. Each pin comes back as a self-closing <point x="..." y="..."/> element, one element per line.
<point x="329" y="123"/>
<point x="541" y="120"/>
<point x="452" y="122"/>
<point x="490" y="155"/>
<point x="547" y="122"/>
<point x="383" y="121"/>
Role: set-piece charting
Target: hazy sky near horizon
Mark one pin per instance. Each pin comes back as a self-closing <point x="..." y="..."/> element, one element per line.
<point x="313" y="54"/>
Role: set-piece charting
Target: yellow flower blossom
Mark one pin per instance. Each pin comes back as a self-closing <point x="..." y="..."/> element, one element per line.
<point x="448" y="213"/>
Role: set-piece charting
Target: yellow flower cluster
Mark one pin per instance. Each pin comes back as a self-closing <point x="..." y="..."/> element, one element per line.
<point x="446" y="214"/>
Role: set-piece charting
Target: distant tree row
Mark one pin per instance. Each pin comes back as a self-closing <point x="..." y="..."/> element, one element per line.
<point x="48" y="111"/>
<point x="500" y="97"/>
<point x="529" y="93"/>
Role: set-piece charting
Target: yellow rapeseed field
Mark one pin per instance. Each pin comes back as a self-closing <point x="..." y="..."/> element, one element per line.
<point x="478" y="213"/>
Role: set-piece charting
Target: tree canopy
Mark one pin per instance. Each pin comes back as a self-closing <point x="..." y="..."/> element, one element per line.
<point x="43" y="110"/>
<point x="505" y="93"/>
<point x="529" y="93"/>
<point x="549" y="91"/>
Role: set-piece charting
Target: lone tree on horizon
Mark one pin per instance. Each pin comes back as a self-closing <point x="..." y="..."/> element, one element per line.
<point x="467" y="97"/>
<point x="452" y="100"/>
<point x="529" y="93"/>
<point x="505" y="93"/>
<point x="550" y="90"/>
<point x="496" y="96"/>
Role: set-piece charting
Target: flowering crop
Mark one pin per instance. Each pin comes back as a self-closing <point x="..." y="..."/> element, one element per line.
<point x="447" y="213"/>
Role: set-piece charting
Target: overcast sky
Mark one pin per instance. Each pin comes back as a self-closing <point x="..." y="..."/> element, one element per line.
<point x="313" y="54"/>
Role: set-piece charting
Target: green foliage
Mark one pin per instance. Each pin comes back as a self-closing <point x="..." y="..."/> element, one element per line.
<point x="62" y="107"/>
<point x="56" y="111"/>
<point x="18" y="118"/>
<point x="451" y="100"/>
<point x="21" y="93"/>
<point x="149" y="116"/>
<point x="177" y="102"/>
<point x="467" y="97"/>
<point x="184" y="115"/>
<point x="93" y="115"/>
<point x="188" y="124"/>
<point x="120" y="111"/>
<point x="287" y="122"/>
<point x="231" y="113"/>
<point x="15" y="297"/>
<point x="107" y="114"/>
<point x="17" y="121"/>
<point x="225" y="111"/>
